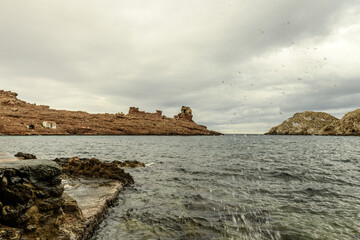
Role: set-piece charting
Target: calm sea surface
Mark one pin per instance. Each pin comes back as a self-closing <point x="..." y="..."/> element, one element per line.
<point x="223" y="187"/>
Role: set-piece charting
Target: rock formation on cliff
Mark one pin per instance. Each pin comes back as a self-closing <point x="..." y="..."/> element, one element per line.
<point x="186" y="113"/>
<point x="319" y="123"/>
<point x="18" y="117"/>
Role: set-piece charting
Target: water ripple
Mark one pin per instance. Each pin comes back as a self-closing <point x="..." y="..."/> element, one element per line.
<point x="224" y="187"/>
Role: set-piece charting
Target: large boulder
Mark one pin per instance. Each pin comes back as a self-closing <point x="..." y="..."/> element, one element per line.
<point x="31" y="197"/>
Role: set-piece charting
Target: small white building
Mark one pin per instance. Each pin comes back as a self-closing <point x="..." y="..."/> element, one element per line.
<point x="48" y="124"/>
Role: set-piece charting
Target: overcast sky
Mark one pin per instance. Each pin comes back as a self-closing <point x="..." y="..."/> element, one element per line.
<point x="242" y="65"/>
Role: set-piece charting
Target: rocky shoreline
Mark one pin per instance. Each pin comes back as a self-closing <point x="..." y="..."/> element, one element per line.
<point x="58" y="199"/>
<point x="18" y="117"/>
<point x="319" y="123"/>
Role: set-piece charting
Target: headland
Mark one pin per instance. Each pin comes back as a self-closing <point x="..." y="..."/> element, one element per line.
<point x="18" y="117"/>
<point x="319" y="123"/>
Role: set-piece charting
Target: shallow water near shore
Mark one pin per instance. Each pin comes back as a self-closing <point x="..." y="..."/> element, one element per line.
<point x="223" y="187"/>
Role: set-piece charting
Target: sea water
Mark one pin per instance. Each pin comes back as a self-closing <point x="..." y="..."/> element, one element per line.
<point x="223" y="187"/>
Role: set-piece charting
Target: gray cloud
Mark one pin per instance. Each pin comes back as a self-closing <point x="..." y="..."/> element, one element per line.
<point x="242" y="66"/>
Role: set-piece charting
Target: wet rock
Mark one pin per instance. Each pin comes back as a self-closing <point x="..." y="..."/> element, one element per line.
<point x="9" y="233"/>
<point x="93" y="197"/>
<point x="9" y="213"/>
<point x="3" y="183"/>
<point x="18" y="193"/>
<point x="15" y="179"/>
<point x="50" y="204"/>
<point x="70" y="205"/>
<point x="33" y="204"/>
<point x="127" y="163"/>
<point x="24" y="156"/>
<point x="94" y="168"/>
<point x="22" y="207"/>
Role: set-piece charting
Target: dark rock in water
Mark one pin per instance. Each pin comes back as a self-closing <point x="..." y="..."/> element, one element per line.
<point x="127" y="163"/>
<point x="94" y="168"/>
<point x="24" y="156"/>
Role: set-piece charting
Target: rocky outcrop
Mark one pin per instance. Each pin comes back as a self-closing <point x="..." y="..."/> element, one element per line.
<point x="31" y="200"/>
<point x="319" y="123"/>
<point x="186" y="114"/>
<point x="348" y="125"/>
<point x="94" y="168"/>
<point x="24" y="156"/>
<point x="21" y="118"/>
<point x="40" y="199"/>
<point x="93" y="198"/>
<point x="305" y="123"/>
<point x="128" y="163"/>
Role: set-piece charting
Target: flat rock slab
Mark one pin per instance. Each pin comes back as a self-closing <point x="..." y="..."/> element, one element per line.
<point x="38" y="168"/>
<point x="93" y="196"/>
<point x="7" y="157"/>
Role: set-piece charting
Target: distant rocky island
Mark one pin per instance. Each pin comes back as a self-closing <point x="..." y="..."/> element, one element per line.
<point x="18" y="117"/>
<point x="319" y="123"/>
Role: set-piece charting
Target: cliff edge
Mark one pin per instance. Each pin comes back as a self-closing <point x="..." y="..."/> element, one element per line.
<point x="319" y="123"/>
<point x="18" y="117"/>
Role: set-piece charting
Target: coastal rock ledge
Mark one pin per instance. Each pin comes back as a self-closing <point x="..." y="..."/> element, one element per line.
<point x="42" y="200"/>
<point x="18" y="117"/>
<point x="31" y="200"/>
<point x="319" y="123"/>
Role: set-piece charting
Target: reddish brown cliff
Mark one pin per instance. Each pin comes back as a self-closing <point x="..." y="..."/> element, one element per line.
<point x="18" y="117"/>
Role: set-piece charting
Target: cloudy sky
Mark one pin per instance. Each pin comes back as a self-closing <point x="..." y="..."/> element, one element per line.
<point x="242" y="65"/>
